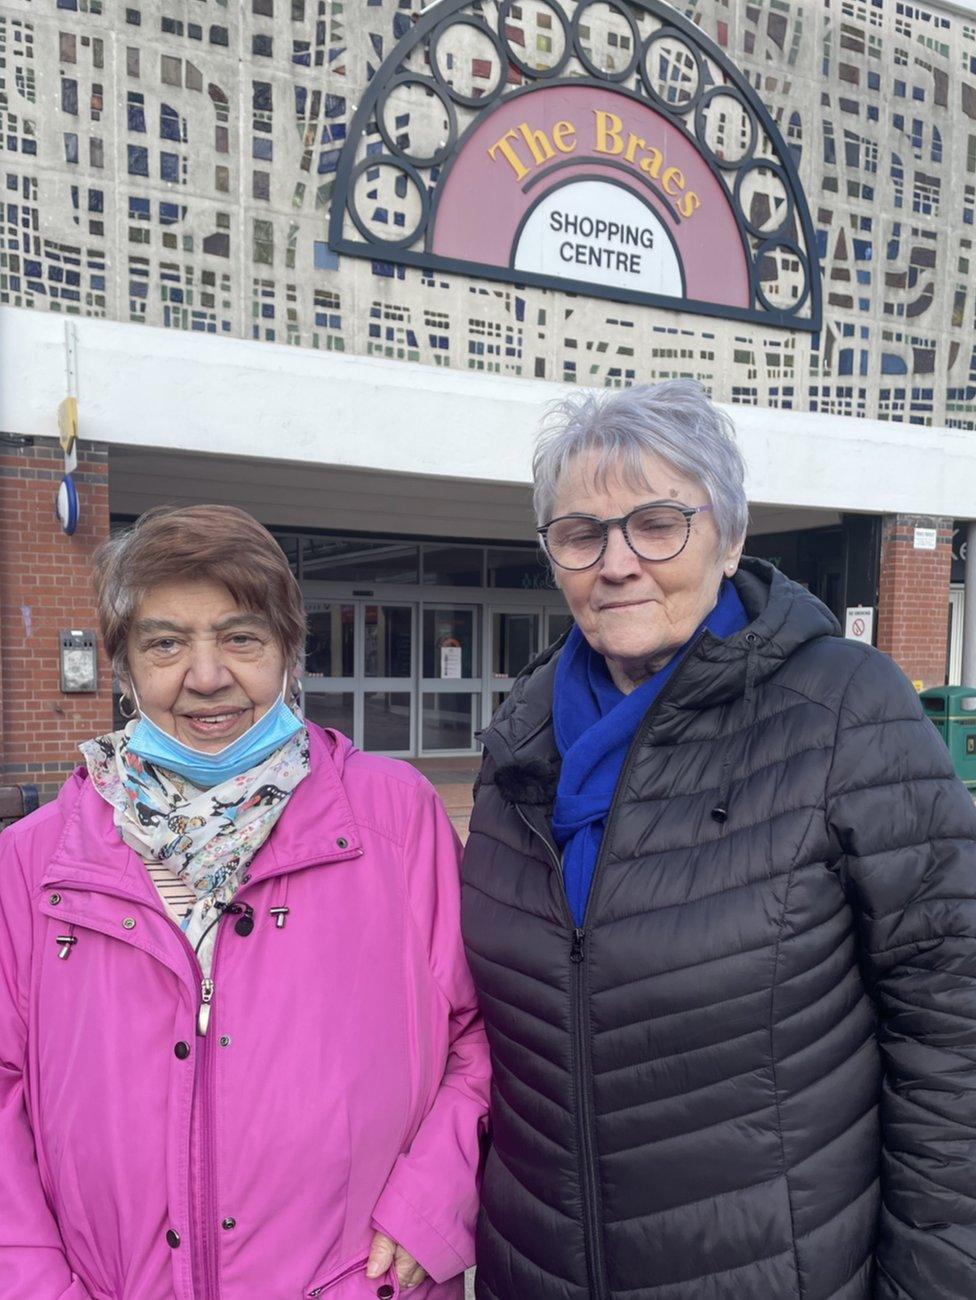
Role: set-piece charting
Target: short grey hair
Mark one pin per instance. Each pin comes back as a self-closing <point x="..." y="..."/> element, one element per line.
<point x="674" y="420"/>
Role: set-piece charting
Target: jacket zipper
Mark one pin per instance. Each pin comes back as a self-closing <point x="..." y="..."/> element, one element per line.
<point x="203" y="1191"/>
<point x="203" y="1013"/>
<point x="579" y="997"/>
<point x="358" y="1267"/>
<point x="593" y="1223"/>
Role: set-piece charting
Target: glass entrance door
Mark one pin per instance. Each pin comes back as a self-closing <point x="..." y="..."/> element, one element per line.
<point x="450" y="684"/>
<point x="330" y="661"/>
<point x="417" y="677"/>
<point x="388" y="671"/>
<point x="514" y="643"/>
<point x="359" y="672"/>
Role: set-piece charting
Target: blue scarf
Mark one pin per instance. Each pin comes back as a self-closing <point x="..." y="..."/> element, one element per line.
<point x="594" y="723"/>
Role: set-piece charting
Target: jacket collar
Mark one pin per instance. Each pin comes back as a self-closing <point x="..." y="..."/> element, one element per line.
<point x="783" y="616"/>
<point x="318" y="826"/>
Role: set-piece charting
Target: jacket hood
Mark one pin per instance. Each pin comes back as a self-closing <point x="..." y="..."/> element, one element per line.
<point x="783" y="616"/>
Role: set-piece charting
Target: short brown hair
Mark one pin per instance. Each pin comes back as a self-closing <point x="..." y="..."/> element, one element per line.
<point x="198" y="543"/>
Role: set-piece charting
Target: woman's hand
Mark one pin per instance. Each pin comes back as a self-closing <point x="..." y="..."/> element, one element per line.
<point x="384" y="1253"/>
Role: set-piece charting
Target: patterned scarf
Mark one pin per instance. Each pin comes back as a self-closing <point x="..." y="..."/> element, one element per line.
<point x="206" y="837"/>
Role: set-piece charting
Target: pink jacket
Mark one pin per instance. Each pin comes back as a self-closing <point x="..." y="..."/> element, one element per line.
<point x="341" y="1083"/>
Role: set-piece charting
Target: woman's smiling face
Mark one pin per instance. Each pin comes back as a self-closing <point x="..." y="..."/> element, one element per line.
<point x="204" y="670"/>
<point x="638" y="613"/>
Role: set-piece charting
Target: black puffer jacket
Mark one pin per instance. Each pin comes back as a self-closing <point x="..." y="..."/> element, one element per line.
<point x="752" y="1074"/>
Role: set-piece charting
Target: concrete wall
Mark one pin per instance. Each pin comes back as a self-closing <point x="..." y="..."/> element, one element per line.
<point x="173" y="165"/>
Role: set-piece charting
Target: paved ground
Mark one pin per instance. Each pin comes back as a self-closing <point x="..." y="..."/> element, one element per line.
<point x="454" y="778"/>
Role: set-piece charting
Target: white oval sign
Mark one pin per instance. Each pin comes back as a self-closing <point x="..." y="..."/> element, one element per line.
<point x="601" y="233"/>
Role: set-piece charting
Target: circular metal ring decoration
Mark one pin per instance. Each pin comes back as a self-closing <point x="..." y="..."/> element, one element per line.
<point x="479" y="25"/>
<point x="793" y="248"/>
<point x="754" y="164"/>
<point x="388" y="160"/>
<point x="592" y="68"/>
<point x="666" y="33"/>
<point x="728" y="92"/>
<point x="428" y="84"/>
<point x="537" y="74"/>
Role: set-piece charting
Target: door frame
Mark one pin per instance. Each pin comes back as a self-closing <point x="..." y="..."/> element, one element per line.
<point x="502" y="685"/>
<point x="452" y="685"/>
<point x="957" y="606"/>
<point x="485" y="601"/>
<point x="358" y="684"/>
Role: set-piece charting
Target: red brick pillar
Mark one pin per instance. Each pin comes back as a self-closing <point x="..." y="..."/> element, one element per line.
<point x="45" y="587"/>
<point x="913" y="596"/>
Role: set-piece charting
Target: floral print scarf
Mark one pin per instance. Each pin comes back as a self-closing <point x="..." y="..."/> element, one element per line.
<point x="206" y="837"/>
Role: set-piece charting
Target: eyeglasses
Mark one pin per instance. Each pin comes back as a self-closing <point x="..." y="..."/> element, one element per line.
<point x="656" y="531"/>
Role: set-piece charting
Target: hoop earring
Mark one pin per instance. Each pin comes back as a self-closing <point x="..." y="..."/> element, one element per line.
<point x="122" y="709"/>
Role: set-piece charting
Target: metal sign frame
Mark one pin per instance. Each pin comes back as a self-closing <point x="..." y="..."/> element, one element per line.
<point x="795" y="234"/>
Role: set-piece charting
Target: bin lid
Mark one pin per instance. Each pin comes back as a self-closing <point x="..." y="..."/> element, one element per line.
<point x="949" y="699"/>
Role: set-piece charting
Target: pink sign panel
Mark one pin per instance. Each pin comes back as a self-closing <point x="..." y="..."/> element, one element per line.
<point x="581" y="183"/>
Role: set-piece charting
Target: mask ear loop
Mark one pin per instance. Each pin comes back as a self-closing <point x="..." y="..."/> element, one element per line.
<point x="135" y="698"/>
<point x="293" y="697"/>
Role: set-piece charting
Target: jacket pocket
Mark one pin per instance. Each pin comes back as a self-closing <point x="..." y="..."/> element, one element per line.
<point x="349" y="1282"/>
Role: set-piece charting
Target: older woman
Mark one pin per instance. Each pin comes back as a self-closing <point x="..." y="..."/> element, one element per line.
<point x="239" y="1051"/>
<point x="720" y="904"/>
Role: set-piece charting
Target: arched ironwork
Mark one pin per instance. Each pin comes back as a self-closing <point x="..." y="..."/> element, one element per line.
<point x="666" y="63"/>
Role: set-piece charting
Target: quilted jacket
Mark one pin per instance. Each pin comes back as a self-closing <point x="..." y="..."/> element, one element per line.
<point x="751" y="1073"/>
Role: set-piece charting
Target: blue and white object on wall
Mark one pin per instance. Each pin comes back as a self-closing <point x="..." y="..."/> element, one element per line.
<point x="66" y="505"/>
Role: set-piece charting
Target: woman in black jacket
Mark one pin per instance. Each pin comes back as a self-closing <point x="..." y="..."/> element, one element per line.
<point x="720" y="903"/>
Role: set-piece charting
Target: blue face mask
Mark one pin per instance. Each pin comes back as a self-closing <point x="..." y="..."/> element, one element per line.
<point x="269" y="733"/>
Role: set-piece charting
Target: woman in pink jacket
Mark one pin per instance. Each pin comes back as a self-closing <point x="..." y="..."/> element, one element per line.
<point x="240" y="1057"/>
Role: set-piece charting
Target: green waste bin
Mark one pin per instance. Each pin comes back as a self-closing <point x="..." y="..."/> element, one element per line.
<point x="953" y="711"/>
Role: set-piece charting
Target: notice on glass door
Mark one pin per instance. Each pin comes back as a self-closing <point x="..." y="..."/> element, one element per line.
<point x="451" y="661"/>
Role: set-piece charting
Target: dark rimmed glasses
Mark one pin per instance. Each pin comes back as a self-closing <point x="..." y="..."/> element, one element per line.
<point x="656" y="531"/>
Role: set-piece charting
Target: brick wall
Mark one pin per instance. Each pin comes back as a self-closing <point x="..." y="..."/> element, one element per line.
<point x="45" y="586"/>
<point x="913" y="597"/>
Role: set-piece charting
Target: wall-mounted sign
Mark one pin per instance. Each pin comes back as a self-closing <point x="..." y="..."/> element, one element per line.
<point x="925" y="539"/>
<point x="960" y="545"/>
<point x="605" y="148"/>
<point x="859" y="624"/>
<point x="68" y="424"/>
<point x="78" y="661"/>
<point x="66" y="507"/>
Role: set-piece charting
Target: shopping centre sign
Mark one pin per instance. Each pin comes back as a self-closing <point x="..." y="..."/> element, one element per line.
<point x="614" y="152"/>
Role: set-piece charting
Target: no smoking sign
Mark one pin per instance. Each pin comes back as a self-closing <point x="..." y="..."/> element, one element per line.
<point x="860" y="624"/>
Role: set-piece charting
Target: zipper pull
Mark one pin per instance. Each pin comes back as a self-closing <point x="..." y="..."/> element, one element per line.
<point x="576" y="952"/>
<point x="66" y="941"/>
<point x="203" y="1015"/>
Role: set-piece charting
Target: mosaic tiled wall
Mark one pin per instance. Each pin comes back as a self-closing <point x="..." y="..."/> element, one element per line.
<point x="172" y="162"/>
